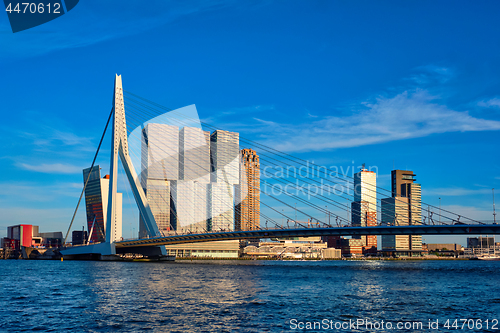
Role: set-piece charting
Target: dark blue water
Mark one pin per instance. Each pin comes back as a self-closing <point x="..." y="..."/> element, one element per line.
<point x="244" y="296"/>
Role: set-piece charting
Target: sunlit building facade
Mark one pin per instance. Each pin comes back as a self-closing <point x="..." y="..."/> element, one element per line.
<point x="403" y="208"/>
<point x="159" y="167"/>
<point x="190" y="193"/>
<point x="225" y="158"/>
<point x="247" y="208"/>
<point x="188" y="177"/>
<point x="364" y="207"/>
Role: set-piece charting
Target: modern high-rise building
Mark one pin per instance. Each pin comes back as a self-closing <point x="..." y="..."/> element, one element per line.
<point x="160" y="152"/>
<point x="221" y="207"/>
<point x="403" y="208"/>
<point x="247" y="209"/>
<point x="194" y="155"/>
<point x="188" y="177"/>
<point x="225" y="159"/>
<point x="159" y="167"/>
<point x="190" y="193"/>
<point x="95" y="192"/>
<point x="96" y="201"/>
<point x="364" y="207"/>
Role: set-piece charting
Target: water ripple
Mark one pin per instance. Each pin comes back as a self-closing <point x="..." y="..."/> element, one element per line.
<point x="229" y="296"/>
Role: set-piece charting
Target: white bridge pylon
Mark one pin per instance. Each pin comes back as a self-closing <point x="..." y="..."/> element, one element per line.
<point x="119" y="147"/>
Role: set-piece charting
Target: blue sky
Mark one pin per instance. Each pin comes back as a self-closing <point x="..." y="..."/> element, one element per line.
<point x="412" y="84"/>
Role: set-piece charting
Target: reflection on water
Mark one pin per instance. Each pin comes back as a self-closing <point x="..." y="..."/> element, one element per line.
<point x="224" y="296"/>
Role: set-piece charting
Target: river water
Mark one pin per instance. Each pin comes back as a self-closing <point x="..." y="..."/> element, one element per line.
<point x="248" y="296"/>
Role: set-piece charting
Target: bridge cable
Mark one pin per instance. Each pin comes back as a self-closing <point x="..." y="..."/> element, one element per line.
<point x="296" y="158"/>
<point x="88" y="176"/>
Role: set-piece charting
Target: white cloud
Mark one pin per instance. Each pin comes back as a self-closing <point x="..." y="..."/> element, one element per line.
<point x="38" y="192"/>
<point x="52" y="168"/>
<point x="217" y="117"/>
<point x="47" y="137"/>
<point x="248" y="110"/>
<point x="410" y="114"/>
<point x="493" y="102"/>
<point x="431" y="74"/>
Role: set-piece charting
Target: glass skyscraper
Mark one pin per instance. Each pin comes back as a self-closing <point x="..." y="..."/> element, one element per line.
<point x="159" y="167"/>
<point x="225" y="159"/>
<point x="94" y="192"/>
<point x="96" y="202"/>
<point x="190" y="193"/>
<point x="189" y="177"/>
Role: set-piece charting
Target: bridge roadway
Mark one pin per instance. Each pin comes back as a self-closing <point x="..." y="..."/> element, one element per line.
<point x="457" y="229"/>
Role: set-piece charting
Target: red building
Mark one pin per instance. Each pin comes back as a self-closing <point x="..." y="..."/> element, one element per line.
<point x="27" y="235"/>
<point x="17" y="236"/>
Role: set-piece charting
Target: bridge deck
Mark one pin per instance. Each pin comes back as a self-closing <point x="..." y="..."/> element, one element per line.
<point x="461" y="229"/>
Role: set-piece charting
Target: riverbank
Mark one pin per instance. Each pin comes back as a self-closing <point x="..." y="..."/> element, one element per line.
<point x="314" y="259"/>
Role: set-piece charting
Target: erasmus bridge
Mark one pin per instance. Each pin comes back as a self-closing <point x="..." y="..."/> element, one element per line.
<point x="324" y="197"/>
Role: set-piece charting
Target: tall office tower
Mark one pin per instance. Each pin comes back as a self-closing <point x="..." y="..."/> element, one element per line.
<point x="247" y="208"/>
<point x="224" y="157"/>
<point x="364" y="207"/>
<point x="160" y="166"/>
<point x="221" y="207"/>
<point x="194" y="155"/>
<point x="182" y="204"/>
<point x="200" y="207"/>
<point x="96" y="190"/>
<point x="404" y="208"/>
<point x="189" y="194"/>
<point x="96" y="201"/>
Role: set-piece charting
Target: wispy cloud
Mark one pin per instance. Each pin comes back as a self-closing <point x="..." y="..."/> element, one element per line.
<point x="410" y="114"/>
<point x="222" y="116"/>
<point x="49" y="151"/>
<point x="431" y="74"/>
<point x="417" y="110"/>
<point x="493" y="102"/>
<point x="46" y="138"/>
<point x="38" y="192"/>
<point x="248" y="110"/>
<point x="56" y="168"/>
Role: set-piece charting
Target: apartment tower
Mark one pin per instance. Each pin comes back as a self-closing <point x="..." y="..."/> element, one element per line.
<point x="247" y="209"/>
